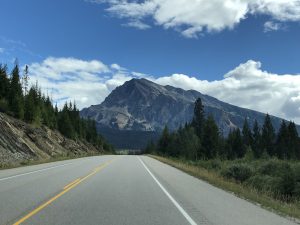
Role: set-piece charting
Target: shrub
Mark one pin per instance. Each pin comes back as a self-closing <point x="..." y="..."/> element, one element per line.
<point x="274" y="168"/>
<point x="284" y="182"/>
<point x="263" y="183"/>
<point x="238" y="172"/>
<point x="214" y="164"/>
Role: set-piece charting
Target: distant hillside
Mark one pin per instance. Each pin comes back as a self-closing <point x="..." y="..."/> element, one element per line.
<point x="142" y="108"/>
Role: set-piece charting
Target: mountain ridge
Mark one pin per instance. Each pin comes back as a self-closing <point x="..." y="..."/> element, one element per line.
<point x="142" y="105"/>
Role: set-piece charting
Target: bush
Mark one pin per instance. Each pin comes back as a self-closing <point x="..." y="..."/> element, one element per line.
<point x="283" y="182"/>
<point x="274" y="168"/>
<point x="296" y="170"/>
<point x="263" y="183"/>
<point x="238" y="172"/>
<point x="214" y="164"/>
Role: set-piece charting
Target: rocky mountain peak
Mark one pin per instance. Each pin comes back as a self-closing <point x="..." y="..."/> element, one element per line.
<point x="141" y="105"/>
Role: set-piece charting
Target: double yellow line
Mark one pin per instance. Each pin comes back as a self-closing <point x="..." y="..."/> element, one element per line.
<point x="65" y="190"/>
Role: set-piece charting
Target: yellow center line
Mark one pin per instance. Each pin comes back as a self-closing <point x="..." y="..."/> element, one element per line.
<point x="66" y="189"/>
<point x="70" y="184"/>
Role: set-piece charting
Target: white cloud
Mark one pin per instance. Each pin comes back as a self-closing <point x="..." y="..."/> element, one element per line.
<point x="2" y="50"/>
<point x="272" y="26"/>
<point x="247" y="85"/>
<point x="137" y="24"/>
<point x="86" y="82"/>
<point x="192" y="17"/>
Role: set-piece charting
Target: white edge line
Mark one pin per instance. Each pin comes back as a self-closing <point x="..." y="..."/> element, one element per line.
<point x="183" y="212"/>
<point x="36" y="171"/>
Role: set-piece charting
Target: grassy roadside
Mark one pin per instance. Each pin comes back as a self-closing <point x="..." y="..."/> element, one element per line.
<point x="291" y="210"/>
<point x="42" y="161"/>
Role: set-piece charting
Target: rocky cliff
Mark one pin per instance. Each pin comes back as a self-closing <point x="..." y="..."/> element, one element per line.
<point x="21" y="142"/>
<point x="139" y="109"/>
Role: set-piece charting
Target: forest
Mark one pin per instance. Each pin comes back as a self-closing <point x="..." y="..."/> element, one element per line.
<point x="27" y="102"/>
<point x="257" y="157"/>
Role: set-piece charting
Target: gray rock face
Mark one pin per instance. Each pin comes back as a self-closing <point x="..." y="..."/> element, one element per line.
<point x="141" y="105"/>
<point x="21" y="142"/>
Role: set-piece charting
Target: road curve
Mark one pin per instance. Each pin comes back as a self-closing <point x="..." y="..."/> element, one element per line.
<point x="125" y="190"/>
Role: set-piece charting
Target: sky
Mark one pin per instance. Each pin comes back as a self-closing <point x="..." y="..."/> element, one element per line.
<point x="244" y="52"/>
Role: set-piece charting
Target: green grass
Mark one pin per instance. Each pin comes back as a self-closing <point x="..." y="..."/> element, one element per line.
<point x="266" y="200"/>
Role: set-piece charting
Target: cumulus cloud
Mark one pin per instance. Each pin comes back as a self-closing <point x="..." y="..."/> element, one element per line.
<point x="192" y="17"/>
<point x="247" y="85"/>
<point x="86" y="82"/>
<point x="251" y="87"/>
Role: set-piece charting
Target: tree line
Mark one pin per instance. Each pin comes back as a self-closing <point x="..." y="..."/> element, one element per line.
<point x="201" y="139"/>
<point x="32" y="106"/>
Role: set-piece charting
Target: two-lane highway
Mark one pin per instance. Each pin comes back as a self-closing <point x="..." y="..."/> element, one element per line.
<point x="113" y="190"/>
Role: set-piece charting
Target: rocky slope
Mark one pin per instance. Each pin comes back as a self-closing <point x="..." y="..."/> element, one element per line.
<point x="21" y="142"/>
<point x="143" y="106"/>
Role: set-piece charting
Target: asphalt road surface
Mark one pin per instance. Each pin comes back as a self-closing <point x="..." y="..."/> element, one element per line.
<point x="125" y="190"/>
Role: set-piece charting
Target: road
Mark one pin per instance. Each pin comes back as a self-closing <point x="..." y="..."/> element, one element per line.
<point x="125" y="190"/>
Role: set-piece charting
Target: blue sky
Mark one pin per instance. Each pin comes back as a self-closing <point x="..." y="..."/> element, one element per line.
<point x="160" y="40"/>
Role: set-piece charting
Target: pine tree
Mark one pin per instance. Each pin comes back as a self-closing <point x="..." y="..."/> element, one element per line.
<point x="189" y="143"/>
<point x="229" y="142"/>
<point x="268" y="136"/>
<point x="199" y="118"/>
<point x="164" y="140"/>
<point x="4" y="82"/>
<point x="238" y="147"/>
<point x="256" y="145"/>
<point x="30" y="107"/>
<point x="4" y="88"/>
<point x="25" y="80"/>
<point x="65" y="124"/>
<point x="282" y="141"/>
<point x="16" y="101"/>
<point x="247" y="134"/>
<point x="210" y="141"/>
<point x="293" y="144"/>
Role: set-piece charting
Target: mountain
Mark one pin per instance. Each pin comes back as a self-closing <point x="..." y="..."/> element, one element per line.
<point x="21" y="142"/>
<point x="139" y="109"/>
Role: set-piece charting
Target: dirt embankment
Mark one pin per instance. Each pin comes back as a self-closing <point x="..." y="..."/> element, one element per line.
<point x="20" y="142"/>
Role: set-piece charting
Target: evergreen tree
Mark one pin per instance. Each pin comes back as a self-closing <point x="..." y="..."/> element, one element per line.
<point x="199" y="118"/>
<point x="293" y="144"/>
<point x="268" y="136"/>
<point x="234" y="145"/>
<point x="238" y="144"/>
<point x="164" y="140"/>
<point x="247" y="134"/>
<point x="65" y="124"/>
<point x="282" y="141"/>
<point x="150" y="148"/>
<point x="15" y="99"/>
<point x="4" y="88"/>
<point x="210" y="141"/>
<point x="189" y="144"/>
<point x="25" y="80"/>
<point x="4" y="82"/>
<point x="256" y="145"/>
<point x="30" y="107"/>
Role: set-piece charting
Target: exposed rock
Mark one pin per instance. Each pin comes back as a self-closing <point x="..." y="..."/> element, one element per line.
<point x="22" y="142"/>
<point x="141" y="105"/>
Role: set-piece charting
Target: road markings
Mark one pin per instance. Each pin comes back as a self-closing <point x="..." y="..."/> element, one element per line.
<point x="183" y="212"/>
<point x="70" y="186"/>
<point x="36" y="171"/>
